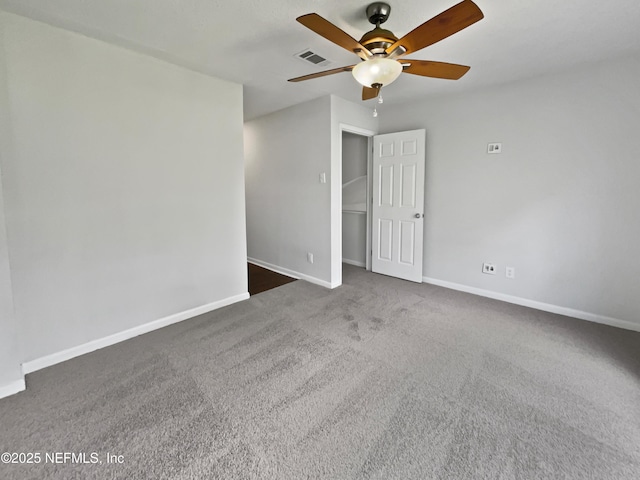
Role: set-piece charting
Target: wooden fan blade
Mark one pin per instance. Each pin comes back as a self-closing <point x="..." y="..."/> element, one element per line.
<point x="449" y="71"/>
<point x="369" y="93"/>
<point x="441" y="26"/>
<point x="328" y="30"/>
<point x="322" y="74"/>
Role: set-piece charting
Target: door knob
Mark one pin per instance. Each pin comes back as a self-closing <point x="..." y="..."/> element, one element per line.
<point x="417" y="215"/>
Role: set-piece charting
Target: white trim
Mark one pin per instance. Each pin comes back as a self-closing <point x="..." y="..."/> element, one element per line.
<point x="345" y="127"/>
<point x="354" y="263"/>
<point x="64" y="355"/>
<point x="12" y="388"/>
<point x="546" y="307"/>
<point x="291" y="273"/>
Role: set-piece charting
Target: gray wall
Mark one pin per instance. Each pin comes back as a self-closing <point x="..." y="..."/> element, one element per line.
<point x="354" y="156"/>
<point x="124" y="192"/>
<point x="560" y="204"/>
<point x="354" y="238"/>
<point x="10" y="371"/>
<point x="289" y="212"/>
<point x="287" y="206"/>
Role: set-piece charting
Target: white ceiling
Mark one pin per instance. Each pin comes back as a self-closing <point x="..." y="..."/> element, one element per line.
<point x="253" y="41"/>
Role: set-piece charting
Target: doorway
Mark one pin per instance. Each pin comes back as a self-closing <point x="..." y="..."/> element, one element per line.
<point x="356" y="189"/>
<point x="382" y="201"/>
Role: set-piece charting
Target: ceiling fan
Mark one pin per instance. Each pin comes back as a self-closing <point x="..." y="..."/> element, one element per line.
<point x="380" y="50"/>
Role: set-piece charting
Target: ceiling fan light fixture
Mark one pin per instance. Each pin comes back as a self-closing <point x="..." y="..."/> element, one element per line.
<point x="380" y="48"/>
<point x="380" y="70"/>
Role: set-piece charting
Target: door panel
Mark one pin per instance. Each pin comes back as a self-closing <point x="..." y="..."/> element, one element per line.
<point x="385" y="239"/>
<point x="386" y="149"/>
<point x="409" y="147"/>
<point x="386" y="185"/>
<point x="408" y="185"/>
<point x="398" y="203"/>
<point x="407" y="242"/>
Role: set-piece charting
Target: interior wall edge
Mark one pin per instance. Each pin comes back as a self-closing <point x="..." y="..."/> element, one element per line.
<point x="11" y="378"/>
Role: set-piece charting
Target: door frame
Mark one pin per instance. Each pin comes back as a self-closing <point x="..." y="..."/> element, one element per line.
<point x="369" y="134"/>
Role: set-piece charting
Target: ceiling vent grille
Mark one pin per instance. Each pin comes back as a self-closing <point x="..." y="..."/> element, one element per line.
<point x="311" y="57"/>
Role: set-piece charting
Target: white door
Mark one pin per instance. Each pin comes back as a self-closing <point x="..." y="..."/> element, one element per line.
<point x="398" y="203"/>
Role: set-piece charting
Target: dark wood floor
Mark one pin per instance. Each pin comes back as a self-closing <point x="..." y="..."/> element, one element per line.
<point x="261" y="279"/>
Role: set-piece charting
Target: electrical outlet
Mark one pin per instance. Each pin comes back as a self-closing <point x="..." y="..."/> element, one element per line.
<point x="322" y="177"/>
<point x="309" y="257"/>
<point x="489" y="268"/>
<point x="510" y="272"/>
<point x="494" y="148"/>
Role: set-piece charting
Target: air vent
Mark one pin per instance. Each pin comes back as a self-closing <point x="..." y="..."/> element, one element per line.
<point x="308" y="56"/>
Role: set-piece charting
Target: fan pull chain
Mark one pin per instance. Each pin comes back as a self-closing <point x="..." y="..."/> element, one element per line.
<point x="380" y="101"/>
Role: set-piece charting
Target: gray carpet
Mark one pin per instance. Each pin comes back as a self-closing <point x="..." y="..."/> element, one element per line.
<point x="378" y="379"/>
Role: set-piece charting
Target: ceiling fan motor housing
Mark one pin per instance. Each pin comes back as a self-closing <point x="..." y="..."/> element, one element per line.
<point x="378" y="12"/>
<point x="378" y="40"/>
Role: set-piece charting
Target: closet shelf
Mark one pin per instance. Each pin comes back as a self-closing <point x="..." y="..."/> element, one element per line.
<point x="351" y="210"/>
<point x="354" y="195"/>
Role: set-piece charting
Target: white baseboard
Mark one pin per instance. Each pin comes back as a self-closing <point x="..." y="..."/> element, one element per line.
<point x="64" y="355"/>
<point x="290" y="273"/>
<point x="546" y="307"/>
<point x="12" y="388"/>
<point x="354" y="263"/>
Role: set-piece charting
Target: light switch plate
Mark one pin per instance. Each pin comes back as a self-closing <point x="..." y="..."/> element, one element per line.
<point x="494" y="148"/>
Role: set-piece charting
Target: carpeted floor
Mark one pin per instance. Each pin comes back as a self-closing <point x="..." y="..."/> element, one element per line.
<point x="378" y="379"/>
